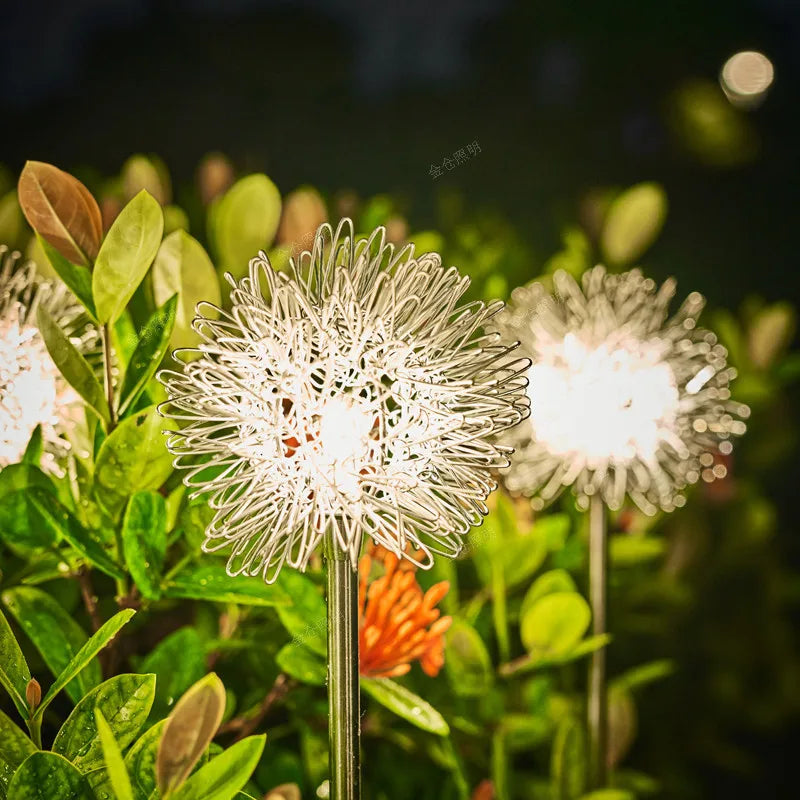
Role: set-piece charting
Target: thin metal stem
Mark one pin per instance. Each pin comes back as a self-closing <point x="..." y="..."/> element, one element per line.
<point x="109" y="379"/>
<point x="598" y="696"/>
<point x="343" y="684"/>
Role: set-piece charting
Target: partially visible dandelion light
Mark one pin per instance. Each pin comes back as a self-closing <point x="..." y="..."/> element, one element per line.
<point x="746" y="77"/>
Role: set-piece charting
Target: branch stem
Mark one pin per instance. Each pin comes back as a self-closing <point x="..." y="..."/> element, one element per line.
<point x="343" y="675"/>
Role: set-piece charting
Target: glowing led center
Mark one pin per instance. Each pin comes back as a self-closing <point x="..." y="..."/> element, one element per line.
<point x="343" y="444"/>
<point x="612" y="402"/>
<point x="29" y="388"/>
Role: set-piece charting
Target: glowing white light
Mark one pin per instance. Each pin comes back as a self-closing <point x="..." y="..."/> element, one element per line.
<point x="746" y="76"/>
<point x="353" y="397"/>
<point x="32" y="391"/>
<point x="623" y="399"/>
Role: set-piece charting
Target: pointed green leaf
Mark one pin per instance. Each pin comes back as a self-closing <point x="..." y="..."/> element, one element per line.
<point x="305" y="616"/>
<point x="209" y="581"/>
<point x="34" y="449"/>
<point x="15" y="747"/>
<point x="467" y="661"/>
<point x="71" y="364"/>
<point x="140" y="760"/>
<point x="124" y="701"/>
<point x="77" y="278"/>
<point x="92" y="647"/>
<point x="406" y="704"/>
<point x="14" y="672"/>
<point x="48" y="776"/>
<point x="117" y="773"/>
<point x="125" y="255"/>
<point x="54" y="633"/>
<point x="189" y="730"/>
<point x="224" y="775"/>
<point x="302" y="664"/>
<point x="133" y="457"/>
<point x="144" y="540"/>
<point x="568" y="762"/>
<point x="150" y="350"/>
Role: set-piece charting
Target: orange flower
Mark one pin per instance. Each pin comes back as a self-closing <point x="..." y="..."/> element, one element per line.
<point x="399" y="623"/>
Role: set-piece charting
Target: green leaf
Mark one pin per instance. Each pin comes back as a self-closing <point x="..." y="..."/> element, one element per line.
<point x="224" y="776"/>
<point x="71" y="364"/>
<point x="633" y="223"/>
<point x="140" y="760"/>
<point x="539" y="661"/>
<point x="125" y="255"/>
<point x="568" y="765"/>
<point x="54" y="633"/>
<point x="77" y="278"/>
<point x="209" y="581"/>
<point x="133" y="457"/>
<point x="406" y="704"/>
<point x="124" y="701"/>
<point x="112" y="756"/>
<point x="644" y="673"/>
<point x="23" y="476"/>
<point x="144" y="540"/>
<point x="92" y="647"/>
<point x="53" y="516"/>
<point x="467" y="661"/>
<point x="556" y="580"/>
<point x="189" y="730"/>
<point x="21" y="523"/>
<point x="626" y="549"/>
<point x="15" y="747"/>
<point x="14" y="672"/>
<point x="305" y="616"/>
<point x="608" y="794"/>
<point x="555" y="623"/>
<point x="183" y="267"/>
<point x="150" y="350"/>
<point x="48" y="776"/>
<point x="178" y="661"/>
<point x="302" y="664"/>
<point x="244" y="221"/>
<point x="34" y="449"/>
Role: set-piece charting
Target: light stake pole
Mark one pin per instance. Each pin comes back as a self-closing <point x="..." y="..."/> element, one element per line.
<point x="343" y="675"/>
<point x="597" y="704"/>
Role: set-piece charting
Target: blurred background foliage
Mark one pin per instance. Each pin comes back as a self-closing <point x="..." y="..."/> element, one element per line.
<point x="603" y="134"/>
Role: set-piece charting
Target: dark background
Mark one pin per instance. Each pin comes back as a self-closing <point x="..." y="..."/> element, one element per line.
<point x="561" y="96"/>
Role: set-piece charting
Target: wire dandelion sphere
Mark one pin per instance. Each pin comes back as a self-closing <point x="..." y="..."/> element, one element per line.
<point x="350" y="396"/>
<point x="624" y="399"/>
<point x="32" y="391"/>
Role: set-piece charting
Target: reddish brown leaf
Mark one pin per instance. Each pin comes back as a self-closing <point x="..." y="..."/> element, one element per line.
<point x="484" y="791"/>
<point x="61" y="210"/>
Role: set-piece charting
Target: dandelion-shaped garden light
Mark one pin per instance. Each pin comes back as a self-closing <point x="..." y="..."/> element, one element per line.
<point x="348" y="398"/>
<point x="624" y="401"/>
<point x="32" y="391"/>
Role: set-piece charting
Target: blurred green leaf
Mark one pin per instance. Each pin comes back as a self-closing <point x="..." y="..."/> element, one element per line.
<point x="555" y="580"/>
<point x="48" y="776"/>
<point x="644" y="673"/>
<point x="622" y="724"/>
<point x="305" y="616"/>
<point x="118" y="774"/>
<point x="406" y="704"/>
<point x="15" y="747"/>
<point x="183" y="268"/>
<point x="555" y="623"/>
<point x="125" y="703"/>
<point x="11" y="224"/>
<point x="609" y="794"/>
<point x="125" y="255"/>
<point x="150" y="350"/>
<point x="633" y="222"/>
<point x="209" y="581"/>
<point x="189" y="730"/>
<point x="568" y="762"/>
<point x="54" y="633"/>
<point x="14" y="672"/>
<point x="178" y="661"/>
<point x="132" y="458"/>
<point x="770" y="333"/>
<point x="140" y="173"/>
<point x="302" y="664"/>
<point x="628" y="550"/>
<point x="224" y="775"/>
<point x="144" y="541"/>
<point x="175" y="219"/>
<point x="467" y="661"/>
<point x="538" y="661"/>
<point x="243" y="221"/>
<point x="77" y="278"/>
<point x="71" y="364"/>
<point x="89" y="650"/>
